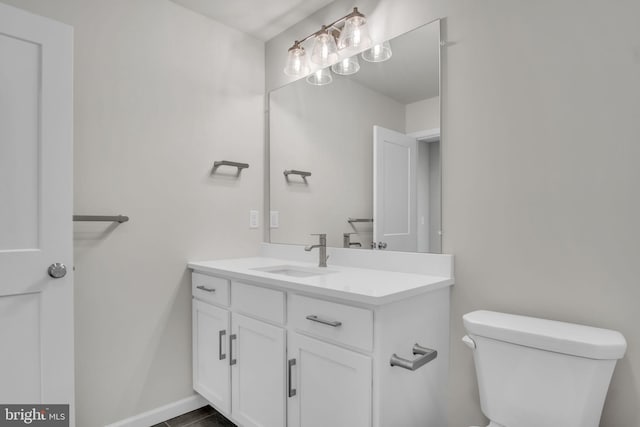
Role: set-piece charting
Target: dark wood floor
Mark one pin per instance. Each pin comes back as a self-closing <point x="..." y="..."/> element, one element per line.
<point x="203" y="417"/>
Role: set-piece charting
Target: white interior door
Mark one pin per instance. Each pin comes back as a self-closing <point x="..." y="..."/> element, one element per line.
<point x="394" y="190"/>
<point x="36" y="130"/>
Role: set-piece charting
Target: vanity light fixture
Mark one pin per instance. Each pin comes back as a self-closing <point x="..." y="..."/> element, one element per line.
<point x="378" y="53"/>
<point x="320" y="77"/>
<point x="346" y="33"/>
<point x="325" y="50"/>
<point x="296" y="61"/>
<point x="346" y="66"/>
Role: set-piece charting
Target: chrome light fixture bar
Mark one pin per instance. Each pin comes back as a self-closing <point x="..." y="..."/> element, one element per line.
<point x="346" y="33"/>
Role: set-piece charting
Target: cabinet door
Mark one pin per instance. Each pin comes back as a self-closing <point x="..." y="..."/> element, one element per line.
<point x="211" y="373"/>
<point x="258" y="374"/>
<point x="332" y="385"/>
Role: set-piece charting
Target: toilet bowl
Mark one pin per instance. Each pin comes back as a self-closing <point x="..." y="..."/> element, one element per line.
<point x="541" y="373"/>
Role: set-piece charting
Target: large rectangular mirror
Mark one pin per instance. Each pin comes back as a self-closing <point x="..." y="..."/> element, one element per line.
<point x="371" y="143"/>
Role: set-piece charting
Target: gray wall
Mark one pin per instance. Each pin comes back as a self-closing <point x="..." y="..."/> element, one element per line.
<point x="540" y="163"/>
<point x="160" y="94"/>
<point x="309" y="131"/>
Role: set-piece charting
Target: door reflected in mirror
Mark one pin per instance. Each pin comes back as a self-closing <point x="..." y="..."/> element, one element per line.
<point x="370" y="142"/>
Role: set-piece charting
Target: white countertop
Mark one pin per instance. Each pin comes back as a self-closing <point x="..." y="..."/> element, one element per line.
<point x="368" y="286"/>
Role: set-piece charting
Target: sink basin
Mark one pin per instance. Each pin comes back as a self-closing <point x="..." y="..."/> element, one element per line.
<point x="293" y="270"/>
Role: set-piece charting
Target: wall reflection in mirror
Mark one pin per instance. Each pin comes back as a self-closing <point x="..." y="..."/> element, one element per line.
<point x="370" y="145"/>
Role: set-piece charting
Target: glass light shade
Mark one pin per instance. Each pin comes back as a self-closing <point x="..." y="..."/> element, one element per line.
<point x="378" y="53"/>
<point x="296" y="62"/>
<point x="320" y="77"/>
<point x="324" y="51"/>
<point x="354" y="34"/>
<point x="346" y="66"/>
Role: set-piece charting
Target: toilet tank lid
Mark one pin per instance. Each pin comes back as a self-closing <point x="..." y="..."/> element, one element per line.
<point x="550" y="335"/>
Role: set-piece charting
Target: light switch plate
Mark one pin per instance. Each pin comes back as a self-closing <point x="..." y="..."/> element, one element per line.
<point x="274" y="219"/>
<point x="253" y="218"/>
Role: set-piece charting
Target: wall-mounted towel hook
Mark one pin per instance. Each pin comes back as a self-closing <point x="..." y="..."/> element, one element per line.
<point x="303" y="174"/>
<point x="238" y="165"/>
<point x="352" y="220"/>
<point x="102" y="218"/>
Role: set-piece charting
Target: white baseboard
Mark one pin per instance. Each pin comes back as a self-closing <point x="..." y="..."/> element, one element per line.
<point x="163" y="413"/>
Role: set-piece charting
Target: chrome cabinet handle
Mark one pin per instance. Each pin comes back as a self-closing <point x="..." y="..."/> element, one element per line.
<point x="426" y="356"/>
<point x="292" y="391"/>
<point x="204" y="288"/>
<point x="232" y="361"/>
<point x="314" y="318"/>
<point x="220" y="335"/>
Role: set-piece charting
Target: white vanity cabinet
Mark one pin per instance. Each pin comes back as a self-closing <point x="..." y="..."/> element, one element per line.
<point x="330" y="386"/>
<point x="238" y="361"/>
<point x="211" y="373"/>
<point x="273" y="352"/>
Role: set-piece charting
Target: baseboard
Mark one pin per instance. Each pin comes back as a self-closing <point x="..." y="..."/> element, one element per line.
<point x="163" y="413"/>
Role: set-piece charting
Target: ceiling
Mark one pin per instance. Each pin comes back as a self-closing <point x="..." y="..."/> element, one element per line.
<point x="262" y="19"/>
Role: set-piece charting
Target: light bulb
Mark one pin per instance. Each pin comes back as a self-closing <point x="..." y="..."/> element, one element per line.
<point x="378" y="53"/>
<point x="354" y="34"/>
<point x="324" y="51"/>
<point x="296" y="62"/>
<point x="320" y="77"/>
<point x="346" y="66"/>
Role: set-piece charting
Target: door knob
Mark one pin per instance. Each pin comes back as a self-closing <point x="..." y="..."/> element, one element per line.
<point x="57" y="270"/>
<point x="382" y="245"/>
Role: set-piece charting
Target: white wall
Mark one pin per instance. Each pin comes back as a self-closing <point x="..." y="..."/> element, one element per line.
<point x="540" y="166"/>
<point x="160" y="94"/>
<point x="309" y="131"/>
<point x="423" y="115"/>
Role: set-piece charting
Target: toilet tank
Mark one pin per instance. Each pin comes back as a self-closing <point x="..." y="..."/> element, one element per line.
<point x="541" y="373"/>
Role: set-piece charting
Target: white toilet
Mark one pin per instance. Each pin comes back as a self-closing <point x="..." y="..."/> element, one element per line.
<point x="541" y="373"/>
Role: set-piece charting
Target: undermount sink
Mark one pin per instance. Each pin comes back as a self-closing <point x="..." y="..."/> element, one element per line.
<point x="293" y="270"/>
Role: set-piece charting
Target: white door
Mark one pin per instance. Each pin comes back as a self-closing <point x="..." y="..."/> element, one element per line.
<point x="394" y="190"/>
<point x="258" y="376"/>
<point x="332" y="385"/>
<point x="211" y="371"/>
<point x="36" y="131"/>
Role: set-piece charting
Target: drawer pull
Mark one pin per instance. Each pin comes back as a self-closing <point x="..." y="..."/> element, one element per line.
<point x="204" y="288"/>
<point x="315" y="318"/>
<point x="292" y="391"/>
<point x="220" y="335"/>
<point x="232" y="361"/>
<point x="426" y="356"/>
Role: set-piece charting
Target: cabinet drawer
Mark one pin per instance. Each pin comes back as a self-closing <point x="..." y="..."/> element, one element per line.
<point x="210" y="289"/>
<point x="263" y="303"/>
<point x="345" y="324"/>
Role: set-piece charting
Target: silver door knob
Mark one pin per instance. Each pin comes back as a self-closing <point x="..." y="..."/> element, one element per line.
<point x="57" y="270"/>
<point x="382" y="245"/>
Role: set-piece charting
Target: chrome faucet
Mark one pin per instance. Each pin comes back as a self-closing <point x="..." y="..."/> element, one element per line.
<point x="346" y="241"/>
<point x="322" y="245"/>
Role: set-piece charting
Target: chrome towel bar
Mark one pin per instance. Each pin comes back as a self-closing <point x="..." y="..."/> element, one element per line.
<point x="238" y="165"/>
<point x="102" y="218"/>
<point x="352" y="220"/>
<point x="426" y="355"/>
<point x="296" y="172"/>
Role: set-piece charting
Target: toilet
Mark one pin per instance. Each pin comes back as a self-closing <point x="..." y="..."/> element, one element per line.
<point x="541" y="373"/>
